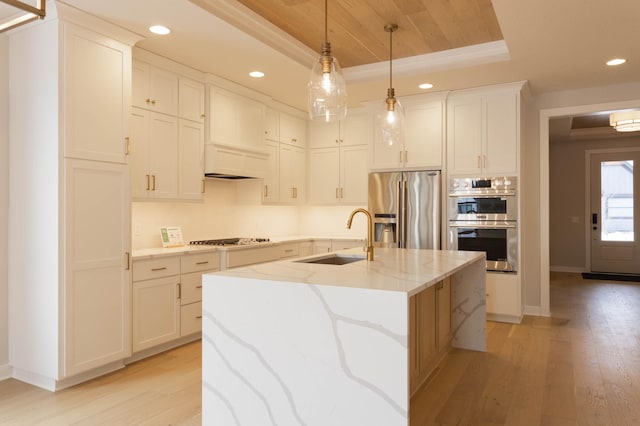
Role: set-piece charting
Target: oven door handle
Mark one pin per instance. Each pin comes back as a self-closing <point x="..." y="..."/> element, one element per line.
<point x="483" y="225"/>
<point x="483" y="195"/>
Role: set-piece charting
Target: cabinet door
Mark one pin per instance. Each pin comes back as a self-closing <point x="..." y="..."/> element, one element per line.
<point x="292" y="174"/>
<point x="501" y="134"/>
<point x="190" y="99"/>
<point x="444" y="313"/>
<point x="235" y="120"/>
<point x="324" y="176"/>
<point x="324" y="135"/>
<point x="97" y="82"/>
<point x="97" y="285"/>
<point x="139" y="154"/>
<point x="163" y="154"/>
<point x="424" y="134"/>
<point x="321" y="246"/>
<point x="156" y="312"/>
<point x="154" y="89"/>
<point x="356" y="129"/>
<point x="464" y="135"/>
<point x="354" y="174"/>
<point x="191" y="319"/>
<point x="190" y="160"/>
<point x="385" y="156"/>
<point x="293" y="130"/>
<point x="503" y="296"/>
<point x="270" y="184"/>
<point x="271" y="125"/>
<point x="426" y="330"/>
<point x="191" y="288"/>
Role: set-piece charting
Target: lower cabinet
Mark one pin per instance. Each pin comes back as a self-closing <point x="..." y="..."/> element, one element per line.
<point x="503" y="297"/>
<point x="167" y="297"/>
<point x="429" y="331"/>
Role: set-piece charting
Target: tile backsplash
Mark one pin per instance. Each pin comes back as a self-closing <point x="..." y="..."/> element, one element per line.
<point x="234" y="209"/>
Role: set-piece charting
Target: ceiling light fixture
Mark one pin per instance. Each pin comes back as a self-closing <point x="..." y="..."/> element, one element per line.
<point x="425" y="86"/>
<point x="327" y="97"/>
<point x="617" y="61"/>
<point x="159" y="29"/>
<point x="390" y="120"/>
<point x="27" y="13"/>
<point x="625" y="121"/>
<point x="256" y="74"/>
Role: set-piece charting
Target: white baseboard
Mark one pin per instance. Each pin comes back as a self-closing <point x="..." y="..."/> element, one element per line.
<point x="535" y="311"/>
<point x="6" y="372"/>
<point x="513" y="319"/>
<point x="571" y="269"/>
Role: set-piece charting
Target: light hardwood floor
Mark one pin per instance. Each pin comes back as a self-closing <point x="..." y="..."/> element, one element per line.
<point x="581" y="366"/>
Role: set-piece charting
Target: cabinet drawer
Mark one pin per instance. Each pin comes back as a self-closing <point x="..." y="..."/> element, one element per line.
<point x="200" y="262"/>
<point x="191" y="287"/>
<point x="289" y="250"/>
<point x="191" y="318"/>
<point x="155" y="268"/>
<point x="252" y="256"/>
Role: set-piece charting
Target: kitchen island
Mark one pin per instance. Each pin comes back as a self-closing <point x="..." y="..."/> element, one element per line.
<point x="298" y="343"/>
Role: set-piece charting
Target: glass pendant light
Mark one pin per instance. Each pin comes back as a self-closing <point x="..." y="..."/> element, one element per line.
<point x="390" y="118"/>
<point x="327" y="100"/>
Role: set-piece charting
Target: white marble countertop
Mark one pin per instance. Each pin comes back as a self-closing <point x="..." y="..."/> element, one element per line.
<point x="153" y="252"/>
<point x="402" y="270"/>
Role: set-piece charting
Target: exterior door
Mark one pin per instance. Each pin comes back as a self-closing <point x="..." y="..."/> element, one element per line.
<point x="615" y="207"/>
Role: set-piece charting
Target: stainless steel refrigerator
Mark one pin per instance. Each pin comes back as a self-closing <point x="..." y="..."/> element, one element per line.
<point x="406" y="209"/>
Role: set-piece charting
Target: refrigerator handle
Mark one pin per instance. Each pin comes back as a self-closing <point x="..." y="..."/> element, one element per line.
<point x="402" y="214"/>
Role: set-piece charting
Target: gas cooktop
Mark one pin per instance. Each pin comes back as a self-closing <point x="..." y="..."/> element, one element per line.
<point x="229" y="242"/>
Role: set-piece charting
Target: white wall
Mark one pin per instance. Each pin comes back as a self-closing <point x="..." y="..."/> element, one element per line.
<point x="4" y="201"/>
<point x="233" y="208"/>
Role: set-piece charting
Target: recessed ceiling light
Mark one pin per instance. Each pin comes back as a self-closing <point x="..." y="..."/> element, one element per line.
<point x="256" y="74"/>
<point x="617" y="61"/>
<point x="425" y="86"/>
<point x="159" y="29"/>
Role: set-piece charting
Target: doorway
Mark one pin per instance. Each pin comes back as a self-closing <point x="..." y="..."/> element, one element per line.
<point x="614" y="202"/>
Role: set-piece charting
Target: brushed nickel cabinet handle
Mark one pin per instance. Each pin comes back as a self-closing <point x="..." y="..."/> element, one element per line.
<point x="179" y="291"/>
<point x="127" y="146"/>
<point x="158" y="269"/>
<point x="204" y="262"/>
<point x="128" y="261"/>
<point x="288" y="250"/>
<point x="341" y="192"/>
<point x="202" y="187"/>
<point x="266" y="190"/>
<point x="153" y="181"/>
<point x="148" y="185"/>
<point x="401" y="156"/>
<point x="337" y="194"/>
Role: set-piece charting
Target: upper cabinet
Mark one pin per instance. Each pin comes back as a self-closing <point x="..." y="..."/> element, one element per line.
<point x="338" y="160"/>
<point x="154" y="88"/>
<point x="97" y="96"/>
<point x="483" y="131"/>
<point x="293" y="130"/>
<point x="190" y="99"/>
<point x="424" y="136"/>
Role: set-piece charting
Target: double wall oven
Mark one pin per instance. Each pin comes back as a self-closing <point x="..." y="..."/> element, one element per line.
<point x="483" y="216"/>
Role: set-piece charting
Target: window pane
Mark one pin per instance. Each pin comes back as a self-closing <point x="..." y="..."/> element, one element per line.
<point x="617" y="200"/>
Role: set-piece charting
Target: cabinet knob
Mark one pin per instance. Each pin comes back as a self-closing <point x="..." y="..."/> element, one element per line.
<point x="153" y="102"/>
<point x="147" y="100"/>
<point x="202" y="115"/>
<point x="294" y="140"/>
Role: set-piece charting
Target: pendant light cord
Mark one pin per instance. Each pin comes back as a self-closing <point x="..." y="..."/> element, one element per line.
<point x="326" y="20"/>
<point x="390" y="57"/>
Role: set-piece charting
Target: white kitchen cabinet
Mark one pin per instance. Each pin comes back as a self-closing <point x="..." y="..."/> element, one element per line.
<point x="289" y="250"/>
<point x="96" y="89"/>
<point x="424" y="136"/>
<point x="305" y="248"/>
<point x="321" y="246"/>
<point x="190" y="99"/>
<point x="235" y="121"/>
<point x="154" y="89"/>
<point x="69" y="285"/>
<point x="503" y="297"/>
<point x="270" y="183"/>
<point x="292" y="182"/>
<point x="292" y="130"/>
<point x="272" y="125"/>
<point x="483" y="131"/>
<point x="97" y="289"/>
<point x="154" y="153"/>
<point x="190" y="160"/>
<point x="192" y="267"/>
<point x="156" y="312"/>
<point x="251" y="256"/>
<point x="338" y="163"/>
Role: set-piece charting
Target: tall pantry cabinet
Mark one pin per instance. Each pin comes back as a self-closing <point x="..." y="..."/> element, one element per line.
<point x="69" y="217"/>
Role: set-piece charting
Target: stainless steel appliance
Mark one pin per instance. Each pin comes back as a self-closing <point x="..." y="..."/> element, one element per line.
<point x="406" y="209"/>
<point x="483" y="216"/>
<point x="229" y="242"/>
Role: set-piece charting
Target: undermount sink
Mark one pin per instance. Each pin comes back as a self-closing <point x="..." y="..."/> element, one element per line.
<point x="334" y="259"/>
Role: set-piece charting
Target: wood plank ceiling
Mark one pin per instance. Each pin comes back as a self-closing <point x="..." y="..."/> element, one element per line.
<point x="356" y="27"/>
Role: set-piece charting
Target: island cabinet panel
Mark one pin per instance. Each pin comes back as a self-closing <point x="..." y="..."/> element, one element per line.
<point x="429" y="332"/>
